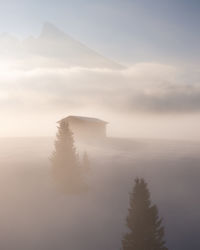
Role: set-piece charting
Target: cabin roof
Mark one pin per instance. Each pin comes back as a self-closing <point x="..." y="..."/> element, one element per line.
<point x="83" y="118"/>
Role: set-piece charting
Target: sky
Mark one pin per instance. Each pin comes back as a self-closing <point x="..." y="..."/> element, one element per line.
<point x="131" y="61"/>
<point x="128" y="30"/>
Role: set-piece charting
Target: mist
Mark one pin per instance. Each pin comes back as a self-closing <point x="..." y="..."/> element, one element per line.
<point x="39" y="83"/>
<point x="34" y="214"/>
<point x="80" y="128"/>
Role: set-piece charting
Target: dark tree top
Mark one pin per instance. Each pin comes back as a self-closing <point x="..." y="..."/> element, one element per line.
<point x="143" y="222"/>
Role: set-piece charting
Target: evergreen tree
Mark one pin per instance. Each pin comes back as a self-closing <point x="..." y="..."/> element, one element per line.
<point x="65" y="162"/>
<point x="86" y="163"/>
<point x="145" y="229"/>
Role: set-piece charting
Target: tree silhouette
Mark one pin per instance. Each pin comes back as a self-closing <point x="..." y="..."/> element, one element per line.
<point x="145" y="229"/>
<point x="65" y="161"/>
<point x="85" y="163"/>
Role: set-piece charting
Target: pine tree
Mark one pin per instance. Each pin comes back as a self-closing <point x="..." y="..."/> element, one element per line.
<point x="145" y="229"/>
<point x="65" y="162"/>
<point x="86" y="163"/>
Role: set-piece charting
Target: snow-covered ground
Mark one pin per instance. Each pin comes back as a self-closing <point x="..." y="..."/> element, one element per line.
<point x="35" y="216"/>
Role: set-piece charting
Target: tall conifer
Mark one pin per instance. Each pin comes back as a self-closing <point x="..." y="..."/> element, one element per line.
<point x="65" y="162"/>
<point x="143" y="222"/>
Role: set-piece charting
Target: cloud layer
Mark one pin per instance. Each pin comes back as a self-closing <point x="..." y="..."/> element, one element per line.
<point x="145" y="87"/>
<point x="46" y="78"/>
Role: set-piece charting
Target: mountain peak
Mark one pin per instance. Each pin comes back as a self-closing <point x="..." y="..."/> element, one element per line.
<point x="49" y="31"/>
<point x="54" y="45"/>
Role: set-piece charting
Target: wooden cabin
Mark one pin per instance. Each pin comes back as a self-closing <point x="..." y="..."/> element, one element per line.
<point x="86" y="128"/>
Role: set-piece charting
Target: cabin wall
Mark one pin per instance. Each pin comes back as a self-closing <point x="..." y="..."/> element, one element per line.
<point x="87" y="130"/>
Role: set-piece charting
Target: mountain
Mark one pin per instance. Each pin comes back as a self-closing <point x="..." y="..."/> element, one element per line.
<point x="9" y="45"/>
<point x="54" y="48"/>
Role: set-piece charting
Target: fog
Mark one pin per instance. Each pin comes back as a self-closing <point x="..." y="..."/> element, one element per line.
<point x="47" y="77"/>
<point x="152" y="113"/>
<point x="35" y="215"/>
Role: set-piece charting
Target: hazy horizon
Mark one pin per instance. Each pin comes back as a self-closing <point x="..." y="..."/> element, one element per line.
<point x="70" y="181"/>
<point x="35" y="215"/>
<point x="131" y="61"/>
<point x="51" y="76"/>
